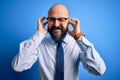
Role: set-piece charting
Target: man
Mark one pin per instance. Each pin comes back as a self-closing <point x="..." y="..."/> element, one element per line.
<point x="73" y="48"/>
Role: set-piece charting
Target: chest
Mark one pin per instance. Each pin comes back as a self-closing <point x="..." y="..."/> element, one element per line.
<point x="47" y="54"/>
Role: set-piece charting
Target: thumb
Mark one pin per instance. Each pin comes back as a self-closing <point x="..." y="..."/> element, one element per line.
<point x="71" y="32"/>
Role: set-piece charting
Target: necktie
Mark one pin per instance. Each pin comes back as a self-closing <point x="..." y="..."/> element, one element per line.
<point x="59" y="68"/>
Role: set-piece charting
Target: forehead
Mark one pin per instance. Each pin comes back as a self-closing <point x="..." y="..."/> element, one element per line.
<point x="58" y="11"/>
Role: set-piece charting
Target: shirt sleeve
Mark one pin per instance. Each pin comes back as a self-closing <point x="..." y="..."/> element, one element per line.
<point x="28" y="53"/>
<point x="90" y="57"/>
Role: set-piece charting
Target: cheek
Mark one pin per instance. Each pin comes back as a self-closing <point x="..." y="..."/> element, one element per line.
<point x="65" y="26"/>
<point x="49" y="26"/>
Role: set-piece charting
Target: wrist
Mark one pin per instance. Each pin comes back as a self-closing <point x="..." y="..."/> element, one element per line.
<point x="78" y="35"/>
<point x="44" y="32"/>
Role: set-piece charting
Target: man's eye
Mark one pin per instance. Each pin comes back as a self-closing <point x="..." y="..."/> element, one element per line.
<point x="61" y="19"/>
<point x="52" y="19"/>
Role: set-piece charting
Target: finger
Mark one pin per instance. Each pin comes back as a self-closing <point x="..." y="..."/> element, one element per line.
<point x="75" y="20"/>
<point x="71" y="32"/>
<point x="41" y="19"/>
<point x="71" y="22"/>
<point x="45" y="23"/>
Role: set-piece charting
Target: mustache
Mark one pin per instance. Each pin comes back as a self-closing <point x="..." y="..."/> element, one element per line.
<point x="56" y="28"/>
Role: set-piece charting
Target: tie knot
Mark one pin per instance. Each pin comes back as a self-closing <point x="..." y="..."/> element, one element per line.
<point x="59" y="43"/>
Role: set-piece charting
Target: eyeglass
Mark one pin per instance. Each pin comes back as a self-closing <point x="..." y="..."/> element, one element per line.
<point x="62" y="19"/>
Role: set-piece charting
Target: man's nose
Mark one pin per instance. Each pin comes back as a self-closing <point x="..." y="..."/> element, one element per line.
<point x="56" y="23"/>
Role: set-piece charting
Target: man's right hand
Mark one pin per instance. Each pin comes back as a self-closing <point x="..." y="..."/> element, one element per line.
<point x="41" y="25"/>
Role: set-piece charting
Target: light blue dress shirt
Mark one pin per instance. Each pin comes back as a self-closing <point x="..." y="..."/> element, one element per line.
<point x="43" y="49"/>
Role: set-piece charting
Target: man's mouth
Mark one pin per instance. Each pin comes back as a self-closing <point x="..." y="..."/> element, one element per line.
<point x="57" y="31"/>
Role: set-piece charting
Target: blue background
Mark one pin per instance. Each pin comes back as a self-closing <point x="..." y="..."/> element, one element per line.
<point x="100" y="21"/>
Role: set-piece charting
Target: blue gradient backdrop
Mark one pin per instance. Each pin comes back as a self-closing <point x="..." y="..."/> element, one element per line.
<point x="100" y="21"/>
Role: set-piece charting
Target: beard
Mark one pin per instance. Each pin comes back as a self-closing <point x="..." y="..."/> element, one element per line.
<point x="56" y="36"/>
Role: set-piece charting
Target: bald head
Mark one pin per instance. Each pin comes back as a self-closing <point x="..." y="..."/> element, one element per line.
<point x="58" y="10"/>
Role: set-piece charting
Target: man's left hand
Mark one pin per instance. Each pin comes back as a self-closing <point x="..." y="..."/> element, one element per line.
<point x="76" y="26"/>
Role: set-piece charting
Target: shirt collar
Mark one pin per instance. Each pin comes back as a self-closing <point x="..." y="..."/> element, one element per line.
<point x="66" y="40"/>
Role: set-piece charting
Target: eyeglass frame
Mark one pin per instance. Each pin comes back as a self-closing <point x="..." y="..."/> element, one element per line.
<point x="59" y="19"/>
